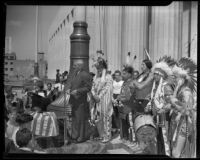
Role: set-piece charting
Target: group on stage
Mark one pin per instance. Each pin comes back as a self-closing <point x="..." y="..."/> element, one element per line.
<point x="154" y="108"/>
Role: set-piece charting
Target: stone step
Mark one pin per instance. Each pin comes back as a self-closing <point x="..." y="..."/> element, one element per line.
<point x="118" y="151"/>
<point x="116" y="140"/>
<point x="131" y="148"/>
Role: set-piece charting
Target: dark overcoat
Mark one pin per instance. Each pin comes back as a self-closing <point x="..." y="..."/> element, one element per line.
<point x="82" y="82"/>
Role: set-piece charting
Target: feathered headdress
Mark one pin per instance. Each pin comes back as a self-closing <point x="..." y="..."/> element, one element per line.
<point x="162" y="67"/>
<point x="169" y="60"/>
<point x="100" y="62"/>
<point x="129" y="61"/>
<point x="187" y="69"/>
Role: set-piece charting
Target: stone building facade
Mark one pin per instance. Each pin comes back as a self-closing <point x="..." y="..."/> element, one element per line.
<point x="117" y="30"/>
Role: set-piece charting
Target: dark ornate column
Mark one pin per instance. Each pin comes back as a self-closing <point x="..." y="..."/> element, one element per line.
<point x="80" y="45"/>
<point x="79" y="51"/>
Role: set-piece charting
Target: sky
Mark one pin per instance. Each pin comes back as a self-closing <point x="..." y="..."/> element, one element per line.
<point x="21" y="26"/>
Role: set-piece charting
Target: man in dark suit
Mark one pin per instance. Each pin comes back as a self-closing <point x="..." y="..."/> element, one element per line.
<point x="79" y="84"/>
<point x="58" y="75"/>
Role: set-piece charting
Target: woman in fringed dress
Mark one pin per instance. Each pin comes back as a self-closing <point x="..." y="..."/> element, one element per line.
<point x="102" y="92"/>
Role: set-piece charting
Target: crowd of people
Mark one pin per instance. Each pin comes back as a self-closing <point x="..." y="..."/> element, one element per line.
<point x="18" y="135"/>
<point x="22" y="113"/>
<point x="156" y="106"/>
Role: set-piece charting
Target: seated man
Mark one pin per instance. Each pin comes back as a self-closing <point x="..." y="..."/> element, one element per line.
<point x="23" y="140"/>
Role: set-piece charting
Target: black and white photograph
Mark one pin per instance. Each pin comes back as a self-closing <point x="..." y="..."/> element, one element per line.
<point x="101" y="79"/>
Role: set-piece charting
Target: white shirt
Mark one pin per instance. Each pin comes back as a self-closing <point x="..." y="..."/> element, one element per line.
<point x="41" y="94"/>
<point x="60" y="86"/>
<point x="48" y="91"/>
<point x="30" y="150"/>
<point x="11" y="131"/>
<point x="117" y="87"/>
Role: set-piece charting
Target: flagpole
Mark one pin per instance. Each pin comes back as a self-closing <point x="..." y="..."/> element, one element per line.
<point x="36" y="44"/>
<point x="35" y="64"/>
<point x="36" y="33"/>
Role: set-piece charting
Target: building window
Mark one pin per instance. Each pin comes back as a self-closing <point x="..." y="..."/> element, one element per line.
<point x="6" y="69"/>
<point x="6" y="63"/>
<point x="11" y="57"/>
<point x="11" y="69"/>
<point x="11" y="63"/>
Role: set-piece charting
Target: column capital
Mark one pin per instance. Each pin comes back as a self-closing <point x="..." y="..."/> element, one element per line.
<point x="80" y="13"/>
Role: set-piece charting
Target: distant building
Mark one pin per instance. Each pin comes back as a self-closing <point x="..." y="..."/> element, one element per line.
<point x="10" y="58"/>
<point x="8" y="45"/>
<point x="43" y="66"/>
<point x="23" y="69"/>
<point x="16" y="86"/>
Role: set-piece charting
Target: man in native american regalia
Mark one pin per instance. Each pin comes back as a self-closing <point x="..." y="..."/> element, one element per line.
<point x="182" y="131"/>
<point x="125" y="107"/>
<point x="143" y="85"/>
<point x="159" y="104"/>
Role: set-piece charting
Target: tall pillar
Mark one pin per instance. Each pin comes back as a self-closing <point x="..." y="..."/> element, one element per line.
<point x="113" y="37"/>
<point x="79" y="49"/>
<point x="134" y="38"/>
<point x="80" y="45"/>
<point x="185" y="29"/>
<point x="193" y="37"/>
<point x="166" y="31"/>
<point x="91" y="20"/>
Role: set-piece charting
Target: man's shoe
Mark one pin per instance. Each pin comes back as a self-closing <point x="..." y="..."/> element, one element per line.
<point x="67" y="142"/>
<point x="79" y="140"/>
<point x="105" y="140"/>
